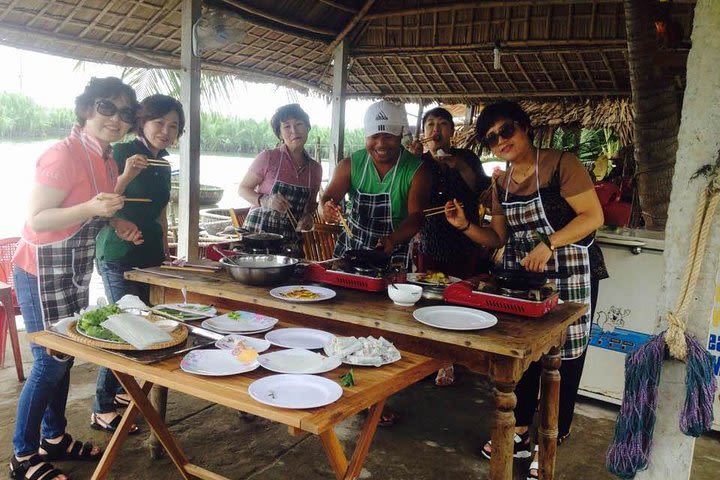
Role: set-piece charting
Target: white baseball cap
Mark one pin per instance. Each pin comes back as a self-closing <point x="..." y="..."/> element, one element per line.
<point x="385" y="117"/>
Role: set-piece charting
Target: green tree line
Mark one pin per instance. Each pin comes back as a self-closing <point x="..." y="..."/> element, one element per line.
<point x="21" y="118"/>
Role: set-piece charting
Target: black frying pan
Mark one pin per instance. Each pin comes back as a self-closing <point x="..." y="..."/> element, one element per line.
<point x="367" y="258"/>
<point x="524" y="280"/>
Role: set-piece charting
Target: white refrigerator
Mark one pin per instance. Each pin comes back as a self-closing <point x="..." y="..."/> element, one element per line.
<point x="625" y="313"/>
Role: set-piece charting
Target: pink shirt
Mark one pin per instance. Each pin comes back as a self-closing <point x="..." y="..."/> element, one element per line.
<point x="274" y="164"/>
<point x="79" y="167"/>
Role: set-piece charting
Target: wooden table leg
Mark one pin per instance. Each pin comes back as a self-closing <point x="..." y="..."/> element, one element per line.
<point x="549" y="407"/>
<point x="503" y="431"/>
<point x="156" y="422"/>
<point x="158" y="399"/>
<point x="334" y="451"/>
<point x="118" y="438"/>
<point x="362" y="447"/>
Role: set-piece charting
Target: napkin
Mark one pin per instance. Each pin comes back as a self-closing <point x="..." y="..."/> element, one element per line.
<point x="136" y="330"/>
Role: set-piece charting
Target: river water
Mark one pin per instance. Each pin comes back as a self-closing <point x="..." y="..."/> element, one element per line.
<point x="18" y="170"/>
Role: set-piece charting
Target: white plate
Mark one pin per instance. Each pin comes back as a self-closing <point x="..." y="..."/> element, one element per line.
<point x="77" y="329"/>
<point x="295" y="391"/>
<point x="229" y="342"/>
<point x="214" y="363"/>
<point x="228" y="332"/>
<point x="307" y="338"/>
<point x="413" y="278"/>
<point x="298" y="360"/>
<point x="192" y="311"/>
<point x="247" y="322"/>
<point x="281" y="293"/>
<point x="454" y="318"/>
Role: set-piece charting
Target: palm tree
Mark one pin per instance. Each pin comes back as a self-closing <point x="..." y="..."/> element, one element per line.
<point x="657" y="117"/>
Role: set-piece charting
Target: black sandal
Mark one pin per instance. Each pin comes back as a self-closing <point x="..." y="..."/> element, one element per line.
<point x="18" y="469"/>
<point x="58" y="451"/>
<point x="120" y="402"/>
<point x="99" y="424"/>
<point x="521" y="446"/>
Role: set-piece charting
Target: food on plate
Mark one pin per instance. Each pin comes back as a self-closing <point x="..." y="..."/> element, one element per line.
<point x="363" y="350"/>
<point x="234" y="315"/>
<point x="244" y="353"/>
<point x="433" y="277"/>
<point x="302" y="293"/>
<point x="90" y="321"/>
<point x="177" y="314"/>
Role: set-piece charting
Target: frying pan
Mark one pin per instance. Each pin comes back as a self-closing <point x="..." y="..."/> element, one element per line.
<point x="367" y="258"/>
<point x="524" y="280"/>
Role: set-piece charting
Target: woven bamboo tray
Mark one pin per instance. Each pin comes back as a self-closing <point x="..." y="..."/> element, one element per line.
<point x="178" y="335"/>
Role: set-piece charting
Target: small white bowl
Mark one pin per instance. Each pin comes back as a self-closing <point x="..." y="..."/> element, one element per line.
<point x="167" y="325"/>
<point x="405" y="295"/>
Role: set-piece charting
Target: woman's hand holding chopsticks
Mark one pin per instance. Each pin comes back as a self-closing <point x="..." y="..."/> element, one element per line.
<point x="455" y="215"/>
<point x="429" y="212"/>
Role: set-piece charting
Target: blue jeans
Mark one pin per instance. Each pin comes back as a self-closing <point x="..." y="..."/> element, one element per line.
<point x="41" y="406"/>
<point x="107" y="385"/>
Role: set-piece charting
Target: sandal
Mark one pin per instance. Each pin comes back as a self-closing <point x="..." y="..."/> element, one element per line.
<point x="388" y="418"/>
<point x="534" y="465"/>
<point x="521" y="446"/>
<point x="46" y="471"/>
<point x="59" y="451"/>
<point x="445" y="376"/>
<point x="121" y="402"/>
<point x="99" y="424"/>
<point x="562" y="438"/>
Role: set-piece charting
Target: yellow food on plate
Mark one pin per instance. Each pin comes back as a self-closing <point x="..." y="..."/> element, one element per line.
<point x="303" y="293"/>
<point x="245" y="354"/>
<point x="433" y="277"/>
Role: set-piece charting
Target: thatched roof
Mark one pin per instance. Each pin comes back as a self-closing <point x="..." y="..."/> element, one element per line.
<point x="399" y="49"/>
<point x="547" y="116"/>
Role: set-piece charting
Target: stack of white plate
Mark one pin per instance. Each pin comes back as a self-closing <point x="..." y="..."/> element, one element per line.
<point x="247" y="323"/>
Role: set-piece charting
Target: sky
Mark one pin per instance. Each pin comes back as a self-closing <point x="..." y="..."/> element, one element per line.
<point x="30" y="73"/>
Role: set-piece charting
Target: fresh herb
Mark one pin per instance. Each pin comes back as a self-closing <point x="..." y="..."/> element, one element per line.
<point x="234" y="315"/>
<point x="90" y="323"/>
<point x="347" y="380"/>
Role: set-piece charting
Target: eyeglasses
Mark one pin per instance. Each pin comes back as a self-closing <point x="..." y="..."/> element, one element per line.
<point x="506" y="131"/>
<point x="107" y="108"/>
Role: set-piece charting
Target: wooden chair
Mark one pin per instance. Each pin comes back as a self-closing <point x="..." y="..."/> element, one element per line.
<point x="8" y="305"/>
<point x="238" y="216"/>
<point x="319" y="243"/>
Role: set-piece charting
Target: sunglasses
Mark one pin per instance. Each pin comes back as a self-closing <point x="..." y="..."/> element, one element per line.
<point x="106" y="108"/>
<point x="506" y="131"/>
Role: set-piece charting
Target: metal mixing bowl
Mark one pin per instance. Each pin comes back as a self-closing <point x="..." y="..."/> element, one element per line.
<point x="260" y="269"/>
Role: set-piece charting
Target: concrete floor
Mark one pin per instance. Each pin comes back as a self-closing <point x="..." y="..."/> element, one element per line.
<point x="438" y="437"/>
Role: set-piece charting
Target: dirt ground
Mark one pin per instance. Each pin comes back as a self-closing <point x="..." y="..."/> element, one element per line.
<point x="438" y="437"/>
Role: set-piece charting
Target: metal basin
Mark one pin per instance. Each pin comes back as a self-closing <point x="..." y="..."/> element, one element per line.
<point x="260" y="269"/>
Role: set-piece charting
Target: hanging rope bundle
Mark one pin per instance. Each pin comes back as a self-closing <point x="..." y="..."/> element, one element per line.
<point x="630" y="450"/>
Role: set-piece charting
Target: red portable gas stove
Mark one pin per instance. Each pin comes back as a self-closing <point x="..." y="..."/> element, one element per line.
<point x="484" y="292"/>
<point x="372" y="282"/>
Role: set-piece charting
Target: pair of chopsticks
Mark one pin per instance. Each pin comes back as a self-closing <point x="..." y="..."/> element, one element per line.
<point x="426" y="140"/>
<point x="291" y="218"/>
<point x="190" y="269"/>
<point x="143" y="200"/>
<point x="158" y="163"/>
<point x="437" y="210"/>
<point x="346" y="227"/>
<point x="162" y="274"/>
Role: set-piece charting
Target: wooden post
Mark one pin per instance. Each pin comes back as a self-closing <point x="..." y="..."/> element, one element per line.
<point x="549" y="401"/>
<point x="337" y="122"/>
<point x="189" y="195"/>
<point x="418" y="124"/>
<point x="698" y="144"/>
<point x="504" y="376"/>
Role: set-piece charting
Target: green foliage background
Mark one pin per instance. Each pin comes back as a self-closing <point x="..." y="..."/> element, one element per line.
<point x="23" y="119"/>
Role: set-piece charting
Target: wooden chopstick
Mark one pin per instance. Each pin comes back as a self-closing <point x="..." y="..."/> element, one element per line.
<point x="189" y="269"/>
<point x="438" y="209"/>
<point x="162" y="274"/>
<point x="158" y="164"/>
<point x="346" y="227"/>
<point x="425" y="140"/>
<point x="291" y="219"/>
<point x="144" y="200"/>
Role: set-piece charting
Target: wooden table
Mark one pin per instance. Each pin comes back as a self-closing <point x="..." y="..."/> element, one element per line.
<point x="373" y="386"/>
<point x="503" y="352"/>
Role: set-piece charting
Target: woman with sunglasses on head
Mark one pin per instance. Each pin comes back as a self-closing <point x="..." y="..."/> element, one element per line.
<point x="282" y="184"/>
<point x="72" y="198"/>
<point x="545" y="212"/>
<point x="456" y="173"/>
<point x="160" y="122"/>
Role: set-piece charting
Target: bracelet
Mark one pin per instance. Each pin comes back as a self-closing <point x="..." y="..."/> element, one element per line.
<point x="544" y="239"/>
<point x="465" y="227"/>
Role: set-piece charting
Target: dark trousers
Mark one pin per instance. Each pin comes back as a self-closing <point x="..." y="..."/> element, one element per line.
<point x="570" y="372"/>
